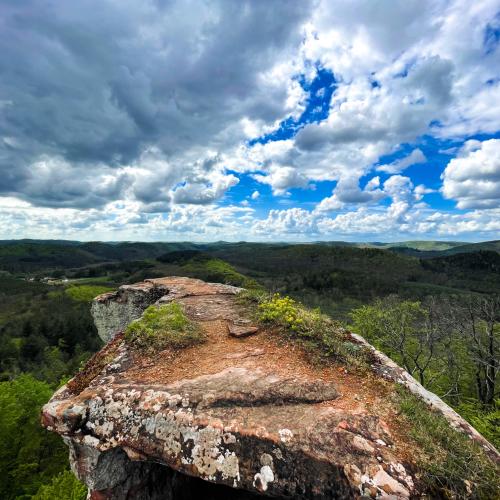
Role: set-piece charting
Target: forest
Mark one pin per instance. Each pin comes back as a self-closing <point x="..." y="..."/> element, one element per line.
<point x="434" y="307"/>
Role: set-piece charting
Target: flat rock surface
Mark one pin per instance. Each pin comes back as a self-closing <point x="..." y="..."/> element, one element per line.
<point x="251" y="413"/>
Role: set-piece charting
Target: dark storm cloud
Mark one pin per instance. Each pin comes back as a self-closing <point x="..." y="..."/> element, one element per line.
<point x="95" y="83"/>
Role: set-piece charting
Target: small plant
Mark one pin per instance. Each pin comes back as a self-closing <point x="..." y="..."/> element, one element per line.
<point x="317" y="332"/>
<point x="163" y="326"/>
<point x="252" y="296"/>
<point x="454" y="466"/>
<point x="64" y="485"/>
<point x="283" y="311"/>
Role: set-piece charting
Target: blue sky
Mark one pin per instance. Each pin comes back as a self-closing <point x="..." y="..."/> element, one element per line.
<point x="264" y="121"/>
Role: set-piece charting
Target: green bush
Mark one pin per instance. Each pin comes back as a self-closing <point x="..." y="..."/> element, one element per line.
<point x="163" y="326"/>
<point x="454" y="466"/>
<point x="317" y="332"/>
<point x="63" y="486"/>
<point x="283" y="311"/>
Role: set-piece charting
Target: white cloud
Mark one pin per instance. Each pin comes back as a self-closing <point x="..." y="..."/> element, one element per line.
<point x="292" y="221"/>
<point x="473" y="178"/>
<point x="281" y="179"/>
<point x="205" y="190"/>
<point x="416" y="156"/>
<point x="143" y="115"/>
<point x="347" y="191"/>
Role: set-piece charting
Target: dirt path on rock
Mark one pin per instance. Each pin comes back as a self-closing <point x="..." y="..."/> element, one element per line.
<point x="359" y="393"/>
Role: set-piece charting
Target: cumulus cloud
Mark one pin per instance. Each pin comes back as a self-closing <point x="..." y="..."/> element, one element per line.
<point x="293" y="221"/>
<point x="204" y="190"/>
<point x="473" y="178"/>
<point x="281" y="179"/>
<point x="95" y="84"/>
<point x="137" y="118"/>
<point x="397" y="166"/>
<point x="348" y="191"/>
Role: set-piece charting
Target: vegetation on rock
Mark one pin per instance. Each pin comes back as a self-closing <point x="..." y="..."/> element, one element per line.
<point x="163" y="326"/>
<point x="452" y="464"/>
<point x="317" y="332"/>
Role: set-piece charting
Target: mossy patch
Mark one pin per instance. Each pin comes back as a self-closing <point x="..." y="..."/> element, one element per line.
<point x="319" y="334"/>
<point x="163" y="326"/>
<point x="452" y="465"/>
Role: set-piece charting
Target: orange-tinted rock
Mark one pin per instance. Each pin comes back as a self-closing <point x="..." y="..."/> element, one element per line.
<point x="229" y="418"/>
<point x="240" y="331"/>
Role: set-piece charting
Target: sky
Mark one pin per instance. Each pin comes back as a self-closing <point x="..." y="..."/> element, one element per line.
<point x="261" y="120"/>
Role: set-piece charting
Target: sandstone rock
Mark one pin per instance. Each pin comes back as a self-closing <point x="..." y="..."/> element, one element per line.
<point x="230" y="418"/>
<point x="240" y="331"/>
<point x="113" y="311"/>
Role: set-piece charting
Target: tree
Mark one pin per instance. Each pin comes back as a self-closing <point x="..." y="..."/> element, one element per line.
<point x="29" y="455"/>
<point x="477" y="320"/>
<point x="63" y="486"/>
<point x="405" y="330"/>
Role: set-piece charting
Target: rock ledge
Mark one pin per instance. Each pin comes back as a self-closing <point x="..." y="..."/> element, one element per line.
<point x="246" y="415"/>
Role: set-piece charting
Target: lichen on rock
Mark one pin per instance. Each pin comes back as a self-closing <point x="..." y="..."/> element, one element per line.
<point x="249" y="415"/>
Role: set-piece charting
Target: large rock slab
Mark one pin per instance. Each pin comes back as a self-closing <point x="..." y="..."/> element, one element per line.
<point x="230" y="418"/>
<point x="113" y="311"/>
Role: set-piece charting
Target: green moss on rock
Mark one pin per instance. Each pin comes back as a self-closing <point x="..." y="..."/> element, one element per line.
<point x="163" y="326"/>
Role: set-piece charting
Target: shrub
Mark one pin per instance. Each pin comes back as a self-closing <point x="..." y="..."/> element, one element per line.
<point x="317" y="332"/>
<point x="163" y="326"/>
<point x="486" y="419"/>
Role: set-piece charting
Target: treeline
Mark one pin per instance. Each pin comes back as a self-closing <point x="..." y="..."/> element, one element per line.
<point x="451" y="345"/>
<point x="44" y="332"/>
<point x="45" y="336"/>
<point x="436" y="317"/>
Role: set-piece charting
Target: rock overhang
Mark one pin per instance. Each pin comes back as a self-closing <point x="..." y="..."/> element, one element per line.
<point x="246" y="412"/>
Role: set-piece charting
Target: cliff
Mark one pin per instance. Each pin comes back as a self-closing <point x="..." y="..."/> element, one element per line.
<point x="241" y="412"/>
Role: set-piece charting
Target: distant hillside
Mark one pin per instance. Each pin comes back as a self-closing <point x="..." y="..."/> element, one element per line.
<point x="28" y="256"/>
<point x="493" y="246"/>
<point x="432" y="249"/>
<point x="422" y="245"/>
<point x="132" y="251"/>
<point x="340" y="270"/>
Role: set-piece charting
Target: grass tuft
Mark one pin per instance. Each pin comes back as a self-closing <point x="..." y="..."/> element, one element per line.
<point x="163" y="326"/>
<point x="453" y="465"/>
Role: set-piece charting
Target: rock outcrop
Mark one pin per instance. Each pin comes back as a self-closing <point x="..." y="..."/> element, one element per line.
<point x="244" y="414"/>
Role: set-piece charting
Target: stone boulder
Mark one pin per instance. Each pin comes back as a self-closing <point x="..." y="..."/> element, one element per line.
<point x="234" y="417"/>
